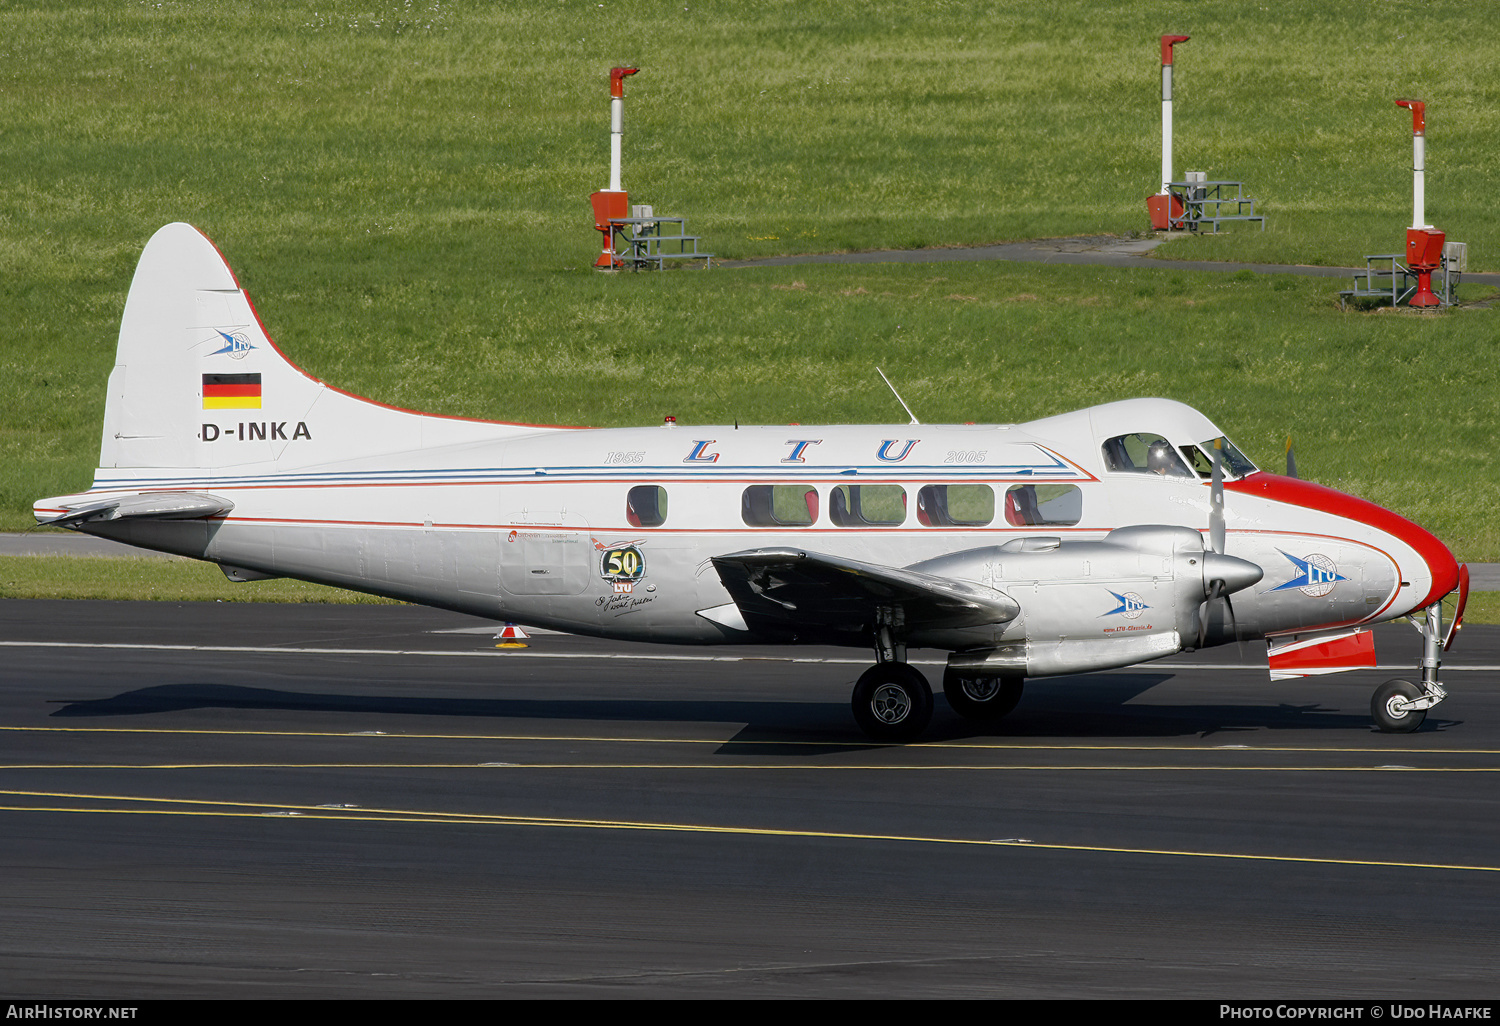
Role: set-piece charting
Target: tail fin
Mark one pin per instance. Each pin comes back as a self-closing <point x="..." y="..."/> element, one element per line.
<point x="198" y="384"/>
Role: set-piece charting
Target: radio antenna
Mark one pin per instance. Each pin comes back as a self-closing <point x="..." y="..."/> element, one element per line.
<point x="897" y="394"/>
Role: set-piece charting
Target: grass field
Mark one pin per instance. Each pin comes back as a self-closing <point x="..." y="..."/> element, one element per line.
<point x="402" y="186"/>
<point x="152" y="579"/>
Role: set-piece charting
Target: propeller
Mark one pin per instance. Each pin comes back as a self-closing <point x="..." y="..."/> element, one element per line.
<point x="1215" y="592"/>
<point x="1223" y="574"/>
<point x="1216" y="497"/>
<point x="1291" y="460"/>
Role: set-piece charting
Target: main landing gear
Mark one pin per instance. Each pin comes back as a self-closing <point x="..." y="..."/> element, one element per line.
<point x="982" y="698"/>
<point x="1399" y="706"/>
<point x="893" y="702"/>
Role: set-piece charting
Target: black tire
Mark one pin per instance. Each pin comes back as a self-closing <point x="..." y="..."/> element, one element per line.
<point x="1387" y="717"/>
<point x="982" y="698"/>
<point x="892" y="702"/>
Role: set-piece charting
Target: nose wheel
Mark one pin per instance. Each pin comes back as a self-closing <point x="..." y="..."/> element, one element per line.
<point x="1400" y="706"/>
<point x="1393" y="707"/>
<point x="892" y="702"/>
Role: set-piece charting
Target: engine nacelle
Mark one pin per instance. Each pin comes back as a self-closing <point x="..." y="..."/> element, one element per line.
<point x="1145" y="587"/>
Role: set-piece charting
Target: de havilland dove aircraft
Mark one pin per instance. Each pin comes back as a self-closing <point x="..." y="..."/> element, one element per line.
<point x="1087" y="541"/>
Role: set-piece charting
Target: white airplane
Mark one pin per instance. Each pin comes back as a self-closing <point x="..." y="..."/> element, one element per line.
<point x="1088" y="541"/>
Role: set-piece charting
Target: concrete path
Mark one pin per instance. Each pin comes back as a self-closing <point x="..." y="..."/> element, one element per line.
<point x="1100" y="250"/>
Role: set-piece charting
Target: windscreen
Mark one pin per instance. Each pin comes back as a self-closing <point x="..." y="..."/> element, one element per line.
<point x="1201" y="456"/>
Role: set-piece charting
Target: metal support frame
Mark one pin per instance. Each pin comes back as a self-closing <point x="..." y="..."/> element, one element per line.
<point x="1371" y="282"/>
<point x="1198" y="198"/>
<point x="640" y="241"/>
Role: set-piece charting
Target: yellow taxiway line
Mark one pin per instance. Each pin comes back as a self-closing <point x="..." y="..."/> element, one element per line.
<point x="204" y="807"/>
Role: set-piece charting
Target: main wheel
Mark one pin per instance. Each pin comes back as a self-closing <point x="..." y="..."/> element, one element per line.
<point x="1384" y="707"/>
<point x="982" y="698"/>
<point x="892" y="702"/>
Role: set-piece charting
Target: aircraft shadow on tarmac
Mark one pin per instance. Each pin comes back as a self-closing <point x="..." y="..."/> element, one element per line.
<point x="1092" y="706"/>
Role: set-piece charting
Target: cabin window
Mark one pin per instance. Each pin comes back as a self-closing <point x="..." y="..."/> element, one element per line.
<point x="779" y="506"/>
<point x="867" y="505"/>
<point x="1144" y="453"/>
<point x="1201" y="458"/>
<point x="965" y="505"/>
<point x="1047" y="505"/>
<point x="646" y="506"/>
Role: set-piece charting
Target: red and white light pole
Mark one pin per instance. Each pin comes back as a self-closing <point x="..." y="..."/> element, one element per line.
<point x="1162" y="206"/>
<point x="616" y="121"/>
<point x="1424" y="243"/>
<point x="1167" y="42"/>
<point x="613" y="202"/>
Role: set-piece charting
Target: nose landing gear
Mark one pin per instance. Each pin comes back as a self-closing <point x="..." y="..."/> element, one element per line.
<point x="1395" y="707"/>
<point x="1399" y="706"/>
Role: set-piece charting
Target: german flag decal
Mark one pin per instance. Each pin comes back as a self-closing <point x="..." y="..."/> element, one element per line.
<point x="231" y="391"/>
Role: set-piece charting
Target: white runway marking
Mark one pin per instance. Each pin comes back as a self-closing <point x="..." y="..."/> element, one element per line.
<point x="528" y="653"/>
<point x="533" y="654"/>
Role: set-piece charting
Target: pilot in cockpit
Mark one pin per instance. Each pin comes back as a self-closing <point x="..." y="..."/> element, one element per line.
<point x="1160" y="459"/>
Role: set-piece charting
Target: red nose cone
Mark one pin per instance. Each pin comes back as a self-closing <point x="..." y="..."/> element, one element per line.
<point x="1294" y="492"/>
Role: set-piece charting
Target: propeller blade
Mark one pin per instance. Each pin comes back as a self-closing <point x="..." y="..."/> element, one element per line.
<point x="1234" y="626"/>
<point x="1216" y="496"/>
<point x="1215" y="588"/>
<point x="1223" y="576"/>
<point x="1291" y="460"/>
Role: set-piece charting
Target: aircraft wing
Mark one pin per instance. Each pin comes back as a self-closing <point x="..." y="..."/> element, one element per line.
<point x="778" y="590"/>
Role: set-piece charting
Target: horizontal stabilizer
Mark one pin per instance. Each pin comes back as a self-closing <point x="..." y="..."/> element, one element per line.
<point x="782" y="590"/>
<point x="142" y="506"/>
<point x="239" y="575"/>
<point x="1310" y="655"/>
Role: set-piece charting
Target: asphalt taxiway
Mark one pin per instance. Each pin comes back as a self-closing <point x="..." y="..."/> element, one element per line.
<point x="238" y="800"/>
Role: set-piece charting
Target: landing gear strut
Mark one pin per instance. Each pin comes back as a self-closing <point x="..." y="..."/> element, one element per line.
<point x="1399" y="706"/>
<point x="892" y="701"/>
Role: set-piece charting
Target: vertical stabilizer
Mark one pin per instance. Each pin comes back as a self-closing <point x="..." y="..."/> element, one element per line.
<point x="181" y="299"/>
<point x="198" y="384"/>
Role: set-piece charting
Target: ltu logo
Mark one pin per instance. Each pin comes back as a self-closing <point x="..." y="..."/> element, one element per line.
<point x="1131" y="605"/>
<point x="1316" y="575"/>
<point x="236" y="345"/>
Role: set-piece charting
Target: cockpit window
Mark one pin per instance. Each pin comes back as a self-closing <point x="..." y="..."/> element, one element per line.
<point x="1201" y="456"/>
<point x="1144" y="453"/>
